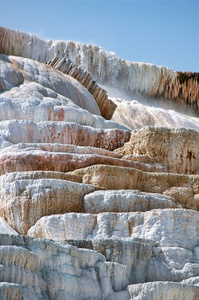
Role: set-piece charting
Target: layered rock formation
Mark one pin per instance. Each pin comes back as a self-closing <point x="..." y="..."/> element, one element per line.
<point x="177" y="149"/>
<point x="120" y="206"/>
<point x="107" y="107"/>
<point x="44" y="270"/>
<point x="134" y="78"/>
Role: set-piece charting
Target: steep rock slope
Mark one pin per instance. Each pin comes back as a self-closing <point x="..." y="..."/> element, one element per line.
<point x="107" y="107"/>
<point x="133" y="78"/>
<point x="137" y="115"/>
<point x="124" y="225"/>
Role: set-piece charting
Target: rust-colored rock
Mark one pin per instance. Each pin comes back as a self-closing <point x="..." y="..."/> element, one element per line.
<point x="22" y="157"/>
<point x="184" y="91"/>
<point x="66" y="66"/>
<point x="62" y="132"/>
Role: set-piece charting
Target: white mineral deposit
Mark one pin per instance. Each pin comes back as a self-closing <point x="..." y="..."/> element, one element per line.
<point x="99" y="175"/>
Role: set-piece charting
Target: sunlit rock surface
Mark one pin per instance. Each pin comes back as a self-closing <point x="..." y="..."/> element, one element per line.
<point x="24" y="201"/>
<point x="37" y="92"/>
<point x="134" y="78"/>
<point x="137" y="115"/>
<point x="25" y="80"/>
<point x="183" y="188"/>
<point x="5" y="228"/>
<point x="166" y="228"/>
<point x="57" y="157"/>
<point x="126" y="201"/>
<point x="22" y="131"/>
<point x="177" y="149"/>
<point x="119" y="197"/>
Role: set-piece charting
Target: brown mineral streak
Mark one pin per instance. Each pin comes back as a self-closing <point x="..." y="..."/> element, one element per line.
<point x="69" y="133"/>
<point x="59" y="115"/>
<point x="106" y="106"/>
<point x="184" y="90"/>
<point x="62" y="162"/>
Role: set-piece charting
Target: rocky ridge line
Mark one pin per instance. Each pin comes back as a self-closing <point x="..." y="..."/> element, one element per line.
<point x="106" y="106"/>
<point x="134" y="78"/>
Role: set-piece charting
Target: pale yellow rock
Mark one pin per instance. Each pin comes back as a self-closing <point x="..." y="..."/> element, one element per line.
<point x="24" y="201"/>
<point x="11" y="291"/>
<point x="184" y="195"/>
<point x="177" y="149"/>
<point x="118" y="178"/>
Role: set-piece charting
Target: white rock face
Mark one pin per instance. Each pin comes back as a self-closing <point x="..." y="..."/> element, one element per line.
<point x="168" y="227"/>
<point x="131" y="78"/>
<point x="24" y="201"/>
<point x="126" y="201"/>
<point x="25" y="79"/>
<point x="34" y="91"/>
<point x="158" y="245"/>
<point x="136" y="115"/>
<point x="66" y="226"/>
<point x="192" y="280"/>
<point x="146" y="261"/>
<point x="10" y="291"/>
<point x="5" y="228"/>
<point x="39" y="269"/>
<point x="135" y="253"/>
<point x="105" y="66"/>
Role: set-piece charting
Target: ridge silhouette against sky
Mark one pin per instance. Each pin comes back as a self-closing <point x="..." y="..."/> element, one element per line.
<point x="162" y="32"/>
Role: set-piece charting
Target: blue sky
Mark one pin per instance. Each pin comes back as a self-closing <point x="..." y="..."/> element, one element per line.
<point x="163" y="32"/>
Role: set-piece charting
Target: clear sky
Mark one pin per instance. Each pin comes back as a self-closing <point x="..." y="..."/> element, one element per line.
<point x="163" y="32"/>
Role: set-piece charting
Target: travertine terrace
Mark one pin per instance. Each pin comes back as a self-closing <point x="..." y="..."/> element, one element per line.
<point x="99" y="195"/>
